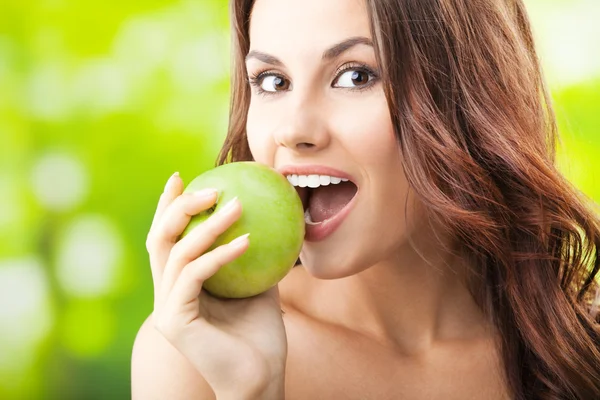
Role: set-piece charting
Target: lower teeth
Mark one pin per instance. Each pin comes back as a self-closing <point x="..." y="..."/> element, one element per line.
<point x="308" y="219"/>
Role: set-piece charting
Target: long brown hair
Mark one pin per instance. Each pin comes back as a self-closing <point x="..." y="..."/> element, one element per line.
<point x="477" y="131"/>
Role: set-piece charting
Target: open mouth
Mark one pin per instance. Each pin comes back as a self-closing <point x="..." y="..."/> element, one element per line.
<point x="328" y="195"/>
<point x="324" y="202"/>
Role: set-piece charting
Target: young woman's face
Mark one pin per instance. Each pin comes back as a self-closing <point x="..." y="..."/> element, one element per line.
<point x="314" y="106"/>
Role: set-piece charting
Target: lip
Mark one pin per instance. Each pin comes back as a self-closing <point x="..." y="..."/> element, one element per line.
<point x="316" y="233"/>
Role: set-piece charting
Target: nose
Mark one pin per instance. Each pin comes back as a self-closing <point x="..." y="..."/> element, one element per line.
<point x="303" y="127"/>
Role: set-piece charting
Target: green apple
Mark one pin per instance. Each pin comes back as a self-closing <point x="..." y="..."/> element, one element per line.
<point x="272" y="213"/>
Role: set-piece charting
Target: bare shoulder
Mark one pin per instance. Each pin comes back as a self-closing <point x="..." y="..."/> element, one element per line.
<point x="159" y="371"/>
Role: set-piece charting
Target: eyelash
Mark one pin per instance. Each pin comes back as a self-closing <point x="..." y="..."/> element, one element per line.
<point x="256" y="79"/>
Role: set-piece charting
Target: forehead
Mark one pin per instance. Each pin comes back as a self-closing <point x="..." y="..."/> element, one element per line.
<point x="284" y="26"/>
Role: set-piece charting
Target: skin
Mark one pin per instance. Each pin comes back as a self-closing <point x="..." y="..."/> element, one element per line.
<point x="381" y="281"/>
<point x="378" y="309"/>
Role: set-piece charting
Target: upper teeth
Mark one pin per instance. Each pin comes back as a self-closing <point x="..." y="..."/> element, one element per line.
<point x="314" y="181"/>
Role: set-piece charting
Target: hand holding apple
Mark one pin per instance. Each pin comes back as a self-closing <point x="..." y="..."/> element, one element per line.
<point x="241" y="340"/>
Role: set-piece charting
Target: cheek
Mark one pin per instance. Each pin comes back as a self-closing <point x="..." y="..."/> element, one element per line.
<point x="372" y="142"/>
<point x="258" y="139"/>
<point x="369" y="133"/>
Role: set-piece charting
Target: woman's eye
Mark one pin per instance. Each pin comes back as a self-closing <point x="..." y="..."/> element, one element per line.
<point x="274" y="83"/>
<point x="353" y="78"/>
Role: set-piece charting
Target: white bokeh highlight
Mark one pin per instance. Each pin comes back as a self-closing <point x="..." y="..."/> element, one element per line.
<point x="26" y="313"/>
<point x="142" y="46"/>
<point x="568" y="39"/>
<point x="59" y="181"/>
<point x="89" y="255"/>
<point x="100" y="86"/>
<point x="48" y="91"/>
<point x="198" y="64"/>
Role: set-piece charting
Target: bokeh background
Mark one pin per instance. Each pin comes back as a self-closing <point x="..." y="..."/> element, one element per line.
<point x="100" y="102"/>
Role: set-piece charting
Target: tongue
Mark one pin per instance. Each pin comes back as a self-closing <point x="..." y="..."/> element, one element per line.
<point x="327" y="201"/>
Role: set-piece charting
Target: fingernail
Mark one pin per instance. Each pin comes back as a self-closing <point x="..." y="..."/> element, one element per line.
<point x="171" y="181"/>
<point x="228" y="207"/>
<point x="240" y="240"/>
<point x="208" y="192"/>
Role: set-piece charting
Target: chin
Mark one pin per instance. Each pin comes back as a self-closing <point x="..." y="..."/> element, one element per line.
<point x="329" y="270"/>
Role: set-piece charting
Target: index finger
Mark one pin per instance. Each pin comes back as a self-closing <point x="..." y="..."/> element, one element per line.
<point x="173" y="188"/>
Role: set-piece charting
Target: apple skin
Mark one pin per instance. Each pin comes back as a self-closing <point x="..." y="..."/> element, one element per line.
<point x="273" y="214"/>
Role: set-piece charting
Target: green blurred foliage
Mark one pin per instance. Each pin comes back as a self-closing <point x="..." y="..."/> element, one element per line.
<point x="99" y="103"/>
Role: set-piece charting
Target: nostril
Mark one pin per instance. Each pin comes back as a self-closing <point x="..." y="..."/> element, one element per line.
<point x="305" y="145"/>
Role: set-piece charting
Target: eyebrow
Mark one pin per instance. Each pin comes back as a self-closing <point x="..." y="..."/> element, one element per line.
<point x="329" y="54"/>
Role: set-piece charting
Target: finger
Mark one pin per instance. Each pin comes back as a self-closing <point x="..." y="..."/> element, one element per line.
<point x="190" y="281"/>
<point x="175" y="218"/>
<point x="177" y="215"/>
<point x="198" y="241"/>
<point x="173" y="188"/>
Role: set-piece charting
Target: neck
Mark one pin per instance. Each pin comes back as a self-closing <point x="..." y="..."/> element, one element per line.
<point x="407" y="302"/>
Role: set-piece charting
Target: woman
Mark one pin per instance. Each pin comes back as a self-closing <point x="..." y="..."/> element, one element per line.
<point x="455" y="263"/>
